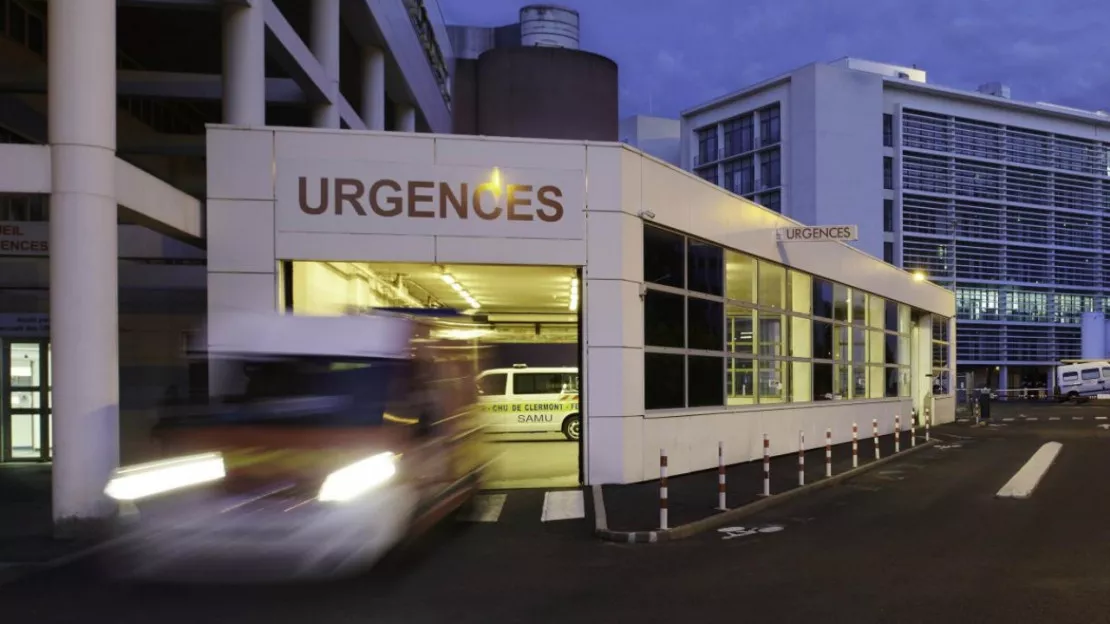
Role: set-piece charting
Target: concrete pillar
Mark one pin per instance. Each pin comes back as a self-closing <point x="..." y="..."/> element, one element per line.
<point x="244" y="76"/>
<point x="1003" y="379"/>
<point x="1093" y="334"/>
<point x="325" y="47"/>
<point x="405" y="118"/>
<point x="373" y="88"/>
<point x="84" y="323"/>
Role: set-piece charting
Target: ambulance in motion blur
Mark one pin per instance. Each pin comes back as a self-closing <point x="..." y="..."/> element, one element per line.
<point x="329" y="441"/>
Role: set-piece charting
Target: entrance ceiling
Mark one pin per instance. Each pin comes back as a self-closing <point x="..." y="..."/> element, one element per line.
<point x="498" y="288"/>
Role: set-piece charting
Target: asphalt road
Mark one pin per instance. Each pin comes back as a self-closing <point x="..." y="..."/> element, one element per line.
<point x="922" y="539"/>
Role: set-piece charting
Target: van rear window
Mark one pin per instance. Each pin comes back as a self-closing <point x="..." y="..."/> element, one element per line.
<point x="1089" y="373"/>
<point x="1070" y="376"/>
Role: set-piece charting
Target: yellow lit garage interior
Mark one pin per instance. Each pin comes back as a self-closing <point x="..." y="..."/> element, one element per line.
<point x="524" y="318"/>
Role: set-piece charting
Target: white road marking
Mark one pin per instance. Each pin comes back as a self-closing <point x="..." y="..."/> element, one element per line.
<point x="738" y="531"/>
<point x="1008" y="419"/>
<point x="563" y="505"/>
<point x="487" y="508"/>
<point x="1103" y="426"/>
<point x="1025" y="480"/>
<point x="1078" y="417"/>
<point x="1031" y="418"/>
<point x="1054" y="418"/>
<point x="1100" y="417"/>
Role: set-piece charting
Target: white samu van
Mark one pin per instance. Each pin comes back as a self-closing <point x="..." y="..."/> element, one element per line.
<point x="1082" y="379"/>
<point x="530" y="400"/>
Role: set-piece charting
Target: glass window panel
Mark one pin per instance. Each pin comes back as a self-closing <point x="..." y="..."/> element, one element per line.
<point x="903" y="351"/>
<point x="740" y="330"/>
<point x="24" y="368"/>
<point x="664" y="380"/>
<point x="876" y="308"/>
<point x="859" y="382"/>
<point x="706" y="381"/>
<point x="773" y="387"/>
<point x="822" y="342"/>
<point x="822" y="298"/>
<point x="773" y="287"/>
<point x="903" y="318"/>
<point x="891" y="387"/>
<point x="664" y="257"/>
<point x="740" y="381"/>
<point x="801" y="337"/>
<point x="875" y="341"/>
<point x="801" y="292"/>
<point x="859" y="345"/>
<point x="890" y="348"/>
<point x="941" y="382"/>
<point x="740" y="276"/>
<point x="492" y="385"/>
<point x="705" y="267"/>
<point x="940" y="328"/>
<point x="843" y="343"/>
<point x="859" y="307"/>
<point x="705" y="324"/>
<point x="876" y="381"/>
<point x="903" y="381"/>
<point x="17" y="22"/>
<point x="940" y="355"/>
<point x="890" y="317"/>
<point x="801" y="382"/>
<point x="664" y="319"/>
<point x="822" y="382"/>
<point x="841" y="301"/>
<point x="772" y="334"/>
<point x="842" y="381"/>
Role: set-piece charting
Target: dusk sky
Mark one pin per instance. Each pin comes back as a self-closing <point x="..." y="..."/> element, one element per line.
<point x="676" y="53"/>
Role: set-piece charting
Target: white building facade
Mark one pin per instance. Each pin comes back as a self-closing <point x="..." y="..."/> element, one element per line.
<point x="1001" y="201"/>
<point x="696" y="326"/>
<point x="103" y="107"/>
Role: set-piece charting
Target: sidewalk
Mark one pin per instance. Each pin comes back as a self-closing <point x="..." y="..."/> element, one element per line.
<point x="693" y="497"/>
<point x="26" y="521"/>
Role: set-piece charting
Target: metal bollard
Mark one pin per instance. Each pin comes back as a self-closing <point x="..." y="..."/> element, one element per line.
<point x="721" y="476"/>
<point x="897" y="433"/>
<point x="875" y="435"/>
<point x="663" y="489"/>
<point x="913" y="432"/>
<point x="801" y="458"/>
<point x="928" y="424"/>
<point x="855" y="445"/>
<point x="828" y="453"/>
<point x="766" y="466"/>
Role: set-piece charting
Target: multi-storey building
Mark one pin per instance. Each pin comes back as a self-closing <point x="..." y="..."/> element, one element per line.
<point x="1005" y="202"/>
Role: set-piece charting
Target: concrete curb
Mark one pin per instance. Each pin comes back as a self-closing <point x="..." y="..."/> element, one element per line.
<point x="601" y="525"/>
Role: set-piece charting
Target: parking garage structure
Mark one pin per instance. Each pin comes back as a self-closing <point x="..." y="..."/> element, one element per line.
<point x="662" y="306"/>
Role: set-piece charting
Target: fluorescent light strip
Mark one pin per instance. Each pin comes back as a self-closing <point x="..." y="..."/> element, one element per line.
<point x="458" y="288"/>
<point x="573" y="295"/>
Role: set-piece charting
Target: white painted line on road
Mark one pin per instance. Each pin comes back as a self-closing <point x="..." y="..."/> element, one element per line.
<point x="1022" y="484"/>
<point x="1100" y="417"/>
<point x="1078" y="417"/>
<point x="487" y="508"/>
<point x="1054" y="418"/>
<point x="1031" y="418"/>
<point x="564" y="505"/>
<point x="1008" y="419"/>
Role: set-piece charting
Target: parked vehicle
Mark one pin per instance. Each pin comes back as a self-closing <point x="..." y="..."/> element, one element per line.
<point x="1082" y="378"/>
<point x="530" y="400"/>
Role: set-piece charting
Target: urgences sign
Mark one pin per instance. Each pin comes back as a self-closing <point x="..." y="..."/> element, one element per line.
<point x="316" y="195"/>
<point x="429" y="199"/>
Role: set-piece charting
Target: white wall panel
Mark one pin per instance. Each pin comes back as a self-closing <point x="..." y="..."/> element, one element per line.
<point x="615" y="382"/>
<point x="536" y="251"/>
<point x="356" y="146"/>
<point x="618" y="443"/>
<point x="240" y="163"/>
<point x="355" y="247"/>
<point x="24" y="168"/>
<point x="616" y="317"/>
<point x="240" y="235"/>
<point x="615" y="246"/>
<point x="515" y="153"/>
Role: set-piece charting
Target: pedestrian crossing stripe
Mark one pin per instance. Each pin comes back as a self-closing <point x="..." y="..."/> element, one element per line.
<point x="557" y="505"/>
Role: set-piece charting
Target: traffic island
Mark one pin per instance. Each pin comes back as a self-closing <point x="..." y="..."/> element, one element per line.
<point x="622" y="512"/>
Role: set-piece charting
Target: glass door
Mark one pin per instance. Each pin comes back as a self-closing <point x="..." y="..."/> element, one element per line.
<point x="26" y="402"/>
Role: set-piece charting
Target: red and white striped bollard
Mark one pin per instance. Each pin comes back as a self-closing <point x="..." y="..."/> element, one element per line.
<point x="721" y="476"/>
<point x="855" y="445"/>
<point x="913" y="432"/>
<point x="928" y="423"/>
<point x="897" y="433"/>
<point x="801" y="458"/>
<point x="875" y="435"/>
<point x="828" y="453"/>
<point x="663" y="489"/>
<point x="766" y="465"/>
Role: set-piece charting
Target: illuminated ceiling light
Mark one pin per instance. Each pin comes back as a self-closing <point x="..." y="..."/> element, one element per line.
<point x="573" y="306"/>
<point x="447" y="277"/>
<point x="457" y="286"/>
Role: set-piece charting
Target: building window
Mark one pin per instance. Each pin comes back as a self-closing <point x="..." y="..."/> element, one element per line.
<point x="739" y="135"/>
<point x="771" y="200"/>
<point x="888" y="252"/>
<point x="942" y="364"/>
<point x="709" y="174"/>
<point x="24" y="207"/>
<point x="888" y="130"/>
<point x="770" y="169"/>
<point x="722" y="328"/>
<point x="740" y="176"/>
<point x="769" y="125"/>
<point x="888" y="215"/>
<point x="707" y="146"/>
<point x="888" y="172"/>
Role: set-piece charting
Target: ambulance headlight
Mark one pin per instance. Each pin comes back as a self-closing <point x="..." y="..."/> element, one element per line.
<point x="358" y="478"/>
<point x="132" y="483"/>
